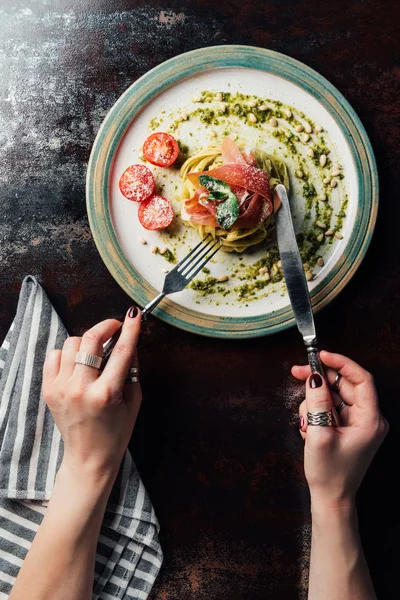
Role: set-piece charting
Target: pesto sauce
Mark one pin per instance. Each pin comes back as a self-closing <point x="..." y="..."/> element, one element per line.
<point x="238" y="107"/>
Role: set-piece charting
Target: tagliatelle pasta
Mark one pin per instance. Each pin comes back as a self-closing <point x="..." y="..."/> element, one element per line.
<point x="241" y="238"/>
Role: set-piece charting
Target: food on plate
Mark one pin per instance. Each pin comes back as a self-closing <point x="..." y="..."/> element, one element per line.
<point x="137" y="183"/>
<point x="228" y="192"/>
<point x="155" y="213"/>
<point x="161" y="149"/>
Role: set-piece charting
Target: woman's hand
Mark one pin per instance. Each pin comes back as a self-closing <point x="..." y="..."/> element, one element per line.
<point x="94" y="410"/>
<point x="337" y="458"/>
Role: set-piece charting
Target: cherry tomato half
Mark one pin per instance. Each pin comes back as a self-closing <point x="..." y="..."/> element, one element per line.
<point x="161" y="149"/>
<point x="137" y="183"/>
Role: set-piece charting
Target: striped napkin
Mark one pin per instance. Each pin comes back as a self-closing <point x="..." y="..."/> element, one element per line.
<point x="129" y="555"/>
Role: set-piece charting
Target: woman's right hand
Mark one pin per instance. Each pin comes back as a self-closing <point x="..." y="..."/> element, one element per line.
<point x="337" y="458"/>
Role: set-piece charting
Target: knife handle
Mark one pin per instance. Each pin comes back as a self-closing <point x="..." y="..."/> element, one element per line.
<point x="314" y="360"/>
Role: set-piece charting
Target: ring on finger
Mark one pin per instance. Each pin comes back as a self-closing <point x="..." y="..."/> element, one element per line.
<point x="341" y="406"/>
<point x="89" y="360"/>
<point x="336" y="383"/>
<point x="321" y="419"/>
<point x="133" y="375"/>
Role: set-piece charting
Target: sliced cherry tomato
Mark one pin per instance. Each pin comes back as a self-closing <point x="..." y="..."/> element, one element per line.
<point x="137" y="183"/>
<point x="161" y="149"/>
<point x="155" y="213"/>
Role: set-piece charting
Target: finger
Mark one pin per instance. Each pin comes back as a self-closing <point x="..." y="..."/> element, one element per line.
<point x="70" y="348"/>
<point x="345" y="389"/>
<point x="301" y="371"/>
<point x="365" y="396"/>
<point x="132" y="390"/>
<point x="348" y="368"/>
<point x="116" y="369"/>
<point x="92" y="343"/>
<point x="303" y="419"/>
<point x="51" y="366"/>
<point x="318" y="397"/>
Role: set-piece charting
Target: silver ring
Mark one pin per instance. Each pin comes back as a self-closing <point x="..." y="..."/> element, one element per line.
<point x="335" y="384"/>
<point x="90" y="360"/>
<point x="322" y="419"/>
<point x="131" y="379"/>
<point x="133" y="371"/>
<point x="341" y="406"/>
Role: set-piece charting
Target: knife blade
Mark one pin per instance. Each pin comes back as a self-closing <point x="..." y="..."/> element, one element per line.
<point x="295" y="279"/>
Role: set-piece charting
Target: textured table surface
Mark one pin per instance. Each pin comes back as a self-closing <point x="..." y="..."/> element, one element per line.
<point x="217" y="441"/>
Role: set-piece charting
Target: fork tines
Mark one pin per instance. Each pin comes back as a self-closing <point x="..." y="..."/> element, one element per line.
<point x="198" y="257"/>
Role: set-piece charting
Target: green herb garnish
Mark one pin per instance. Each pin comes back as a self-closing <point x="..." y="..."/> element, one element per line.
<point x="228" y="207"/>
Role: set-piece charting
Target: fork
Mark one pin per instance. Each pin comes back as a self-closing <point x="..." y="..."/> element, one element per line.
<point x="175" y="281"/>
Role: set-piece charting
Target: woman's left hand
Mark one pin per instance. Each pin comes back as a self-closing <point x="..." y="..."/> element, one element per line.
<point x="95" y="410"/>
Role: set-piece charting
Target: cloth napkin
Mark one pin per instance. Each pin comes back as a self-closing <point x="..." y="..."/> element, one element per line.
<point x="129" y="555"/>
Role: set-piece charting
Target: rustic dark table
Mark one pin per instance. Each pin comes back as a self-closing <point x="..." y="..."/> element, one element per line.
<point x="217" y="442"/>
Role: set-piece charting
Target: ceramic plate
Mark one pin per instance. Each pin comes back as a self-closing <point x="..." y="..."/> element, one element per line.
<point x="186" y="96"/>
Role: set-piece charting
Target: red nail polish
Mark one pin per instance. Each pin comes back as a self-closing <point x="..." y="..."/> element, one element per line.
<point x="301" y="422"/>
<point x="132" y="312"/>
<point x="315" y="381"/>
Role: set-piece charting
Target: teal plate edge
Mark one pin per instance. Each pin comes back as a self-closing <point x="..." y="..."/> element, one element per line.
<point x="168" y="73"/>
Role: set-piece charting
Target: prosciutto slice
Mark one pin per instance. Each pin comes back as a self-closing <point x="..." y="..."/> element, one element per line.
<point x="247" y="182"/>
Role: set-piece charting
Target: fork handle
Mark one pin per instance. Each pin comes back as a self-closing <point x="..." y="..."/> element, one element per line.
<point x="151" y="305"/>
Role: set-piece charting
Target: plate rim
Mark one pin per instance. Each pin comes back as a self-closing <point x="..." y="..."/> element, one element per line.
<point x="166" y="74"/>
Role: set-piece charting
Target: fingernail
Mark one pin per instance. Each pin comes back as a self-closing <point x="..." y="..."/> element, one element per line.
<point x="301" y="422"/>
<point x="315" y="381"/>
<point x="132" y="312"/>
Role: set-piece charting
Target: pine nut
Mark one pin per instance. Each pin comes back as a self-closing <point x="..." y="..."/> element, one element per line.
<point x="309" y="275"/>
<point x="142" y="241"/>
<point x="279" y="263"/>
<point x="307" y="127"/>
<point x="287" y="113"/>
<point x="252" y="118"/>
<point x="305" y="138"/>
<point x="336" y="165"/>
<point x="326" y="180"/>
<point x="335" y="173"/>
<point x="267" y="276"/>
<point x="219" y="97"/>
<point x="322" y="197"/>
<point x="263" y="270"/>
<point x="213" y="134"/>
<point x="154" y="250"/>
<point x="222" y="107"/>
<point x="322" y="160"/>
<point x="333" y="183"/>
<point x="299" y="128"/>
<point x="318" y="128"/>
<point x="299" y="174"/>
<point x="196" y="98"/>
<point x="329" y="232"/>
<point x="222" y="278"/>
<point x="310" y="152"/>
<point x="273" y="122"/>
<point x="163" y="250"/>
<point x="165" y="270"/>
<point x="320" y="237"/>
<point x="338" y="235"/>
<point x="320" y="225"/>
<point x="320" y="262"/>
<point x="263" y="107"/>
<point x="252" y="103"/>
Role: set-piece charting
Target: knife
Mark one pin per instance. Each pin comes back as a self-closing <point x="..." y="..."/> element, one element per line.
<point x="295" y="279"/>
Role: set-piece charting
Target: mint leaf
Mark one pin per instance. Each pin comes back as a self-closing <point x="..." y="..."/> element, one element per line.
<point x="228" y="211"/>
<point x="228" y="207"/>
<point x="218" y="196"/>
<point x="214" y="185"/>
